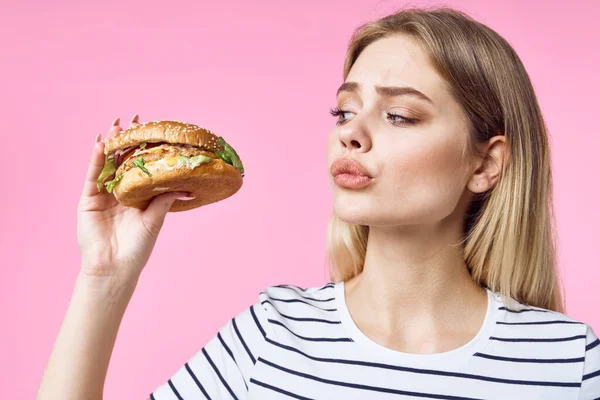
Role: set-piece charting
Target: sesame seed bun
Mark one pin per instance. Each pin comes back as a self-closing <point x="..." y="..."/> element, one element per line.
<point x="163" y="131"/>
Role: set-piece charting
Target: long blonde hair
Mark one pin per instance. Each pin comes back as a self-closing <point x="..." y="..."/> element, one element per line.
<point x="509" y="240"/>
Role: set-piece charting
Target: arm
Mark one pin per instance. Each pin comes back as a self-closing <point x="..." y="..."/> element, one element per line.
<point x="115" y="243"/>
<point x="79" y="361"/>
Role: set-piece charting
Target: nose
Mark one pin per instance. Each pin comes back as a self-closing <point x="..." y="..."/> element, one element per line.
<point x="355" y="137"/>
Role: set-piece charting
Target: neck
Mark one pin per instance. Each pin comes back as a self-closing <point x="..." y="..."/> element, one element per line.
<point x="414" y="273"/>
<point x="414" y="285"/>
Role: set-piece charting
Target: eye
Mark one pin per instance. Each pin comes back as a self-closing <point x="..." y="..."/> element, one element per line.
<point x="397" y="119"/>
<point x="337" y="112"/>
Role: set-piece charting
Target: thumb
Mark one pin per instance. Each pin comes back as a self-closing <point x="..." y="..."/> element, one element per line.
<point x="155" y="213"/>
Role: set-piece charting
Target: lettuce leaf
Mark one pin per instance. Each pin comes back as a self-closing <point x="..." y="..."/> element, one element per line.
<point x="199" y="159"/>
<point x="223" y="156"/>
<point x="229" y="155"/>
<point x="139" y="162"/>
<point x="194" y="161"/>
<point x="108" y="170"/>
<point x="111" y="184"/>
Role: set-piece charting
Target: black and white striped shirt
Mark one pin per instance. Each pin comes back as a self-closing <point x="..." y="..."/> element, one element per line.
<point x="303" y="344"/>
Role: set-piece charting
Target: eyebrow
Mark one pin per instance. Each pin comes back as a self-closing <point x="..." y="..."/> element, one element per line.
<point x="385" y="91"/>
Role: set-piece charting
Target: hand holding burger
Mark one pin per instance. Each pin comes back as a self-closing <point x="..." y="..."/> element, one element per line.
<point x="134" y="179"/>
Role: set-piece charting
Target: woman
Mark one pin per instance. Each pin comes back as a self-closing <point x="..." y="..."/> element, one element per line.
<point x="444" y="282"/>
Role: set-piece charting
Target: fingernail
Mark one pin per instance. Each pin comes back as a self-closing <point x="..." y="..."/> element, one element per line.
<point x="116" y="122"/>
<point x="135" y="119"/>
<point x="186" y="196"/>
<point x="98" y="137"/>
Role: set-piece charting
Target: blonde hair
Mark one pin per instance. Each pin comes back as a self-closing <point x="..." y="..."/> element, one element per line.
<point x="509" y="240"/>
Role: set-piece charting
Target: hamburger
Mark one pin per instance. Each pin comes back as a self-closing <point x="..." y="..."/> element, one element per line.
<point x="156" y="157"/>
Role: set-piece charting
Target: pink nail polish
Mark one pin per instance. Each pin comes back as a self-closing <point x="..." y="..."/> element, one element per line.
<point x="98" y="137"/>
<point x="116" y="122"/>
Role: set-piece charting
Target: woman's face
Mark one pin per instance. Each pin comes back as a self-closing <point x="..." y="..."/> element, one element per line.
<point x="410" y="144"/>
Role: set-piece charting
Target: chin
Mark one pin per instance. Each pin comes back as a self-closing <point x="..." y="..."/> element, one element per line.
<point x="357" y="212"/>
<point x="354" y="211"/>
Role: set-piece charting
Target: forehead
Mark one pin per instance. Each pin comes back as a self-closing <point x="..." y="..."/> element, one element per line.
<point x="397" y="61"/>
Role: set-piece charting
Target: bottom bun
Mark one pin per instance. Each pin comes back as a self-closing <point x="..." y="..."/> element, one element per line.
<point x="208" y="182"/>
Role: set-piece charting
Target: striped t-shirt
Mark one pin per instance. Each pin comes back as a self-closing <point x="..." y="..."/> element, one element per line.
<point x="303" y="344"/>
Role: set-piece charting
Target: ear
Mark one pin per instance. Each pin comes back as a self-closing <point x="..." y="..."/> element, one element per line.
<point x="488" y="165"/>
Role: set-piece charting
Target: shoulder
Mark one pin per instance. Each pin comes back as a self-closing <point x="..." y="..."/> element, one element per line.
<point x="316" y="297"/>
<point x="290" y="306"/>
<point x="296" y="299"/>
<point x="545" y="325"/>
<point x="514" y="313"/>
<point x="314" y="293"/>
<point x="555" y="343"/>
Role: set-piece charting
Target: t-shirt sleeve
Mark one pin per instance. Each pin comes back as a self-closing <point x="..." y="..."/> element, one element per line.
<point x="223" y="367"/>
<point x="590" y="382"/>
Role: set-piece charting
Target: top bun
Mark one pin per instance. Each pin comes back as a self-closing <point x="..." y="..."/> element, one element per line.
<point x="174" y="132"/>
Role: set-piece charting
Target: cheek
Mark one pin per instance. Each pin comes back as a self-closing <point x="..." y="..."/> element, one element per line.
<point x="429" y="176"/>
<point x="427" y="165"/>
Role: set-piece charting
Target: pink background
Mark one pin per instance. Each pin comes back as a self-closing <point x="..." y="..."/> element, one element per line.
<point x="263" y="75"/>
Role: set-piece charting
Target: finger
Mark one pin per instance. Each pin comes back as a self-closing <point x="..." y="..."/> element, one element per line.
<point x="155" y="213"/>
<point x="115" y="128"/>
<point x="95" y="167"/>
<point x="134" y="120"/>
